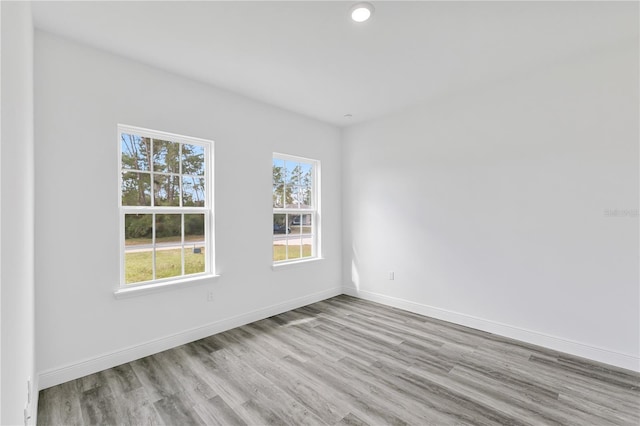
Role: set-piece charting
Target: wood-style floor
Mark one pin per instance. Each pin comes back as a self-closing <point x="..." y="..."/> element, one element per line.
<point x="346" y="361"/>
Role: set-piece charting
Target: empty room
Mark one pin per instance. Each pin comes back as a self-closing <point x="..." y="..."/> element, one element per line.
<point x="319" y="213"/>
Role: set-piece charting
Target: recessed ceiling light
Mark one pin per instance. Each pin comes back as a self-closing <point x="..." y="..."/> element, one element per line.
<point x="361" y="12"/>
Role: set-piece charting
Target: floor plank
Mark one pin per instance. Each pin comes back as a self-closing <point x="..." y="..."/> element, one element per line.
<point x="346" y="361"/>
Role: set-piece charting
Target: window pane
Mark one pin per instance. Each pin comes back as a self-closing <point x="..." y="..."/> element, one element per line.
<point x="280" y="226"/>
<point x="294" y="224"/>
<point x="193" y="191"/>
<point x="301" y="225"/>
<point x="289" y="199"/>
<point x="137" y="229"/>
<point x="306" y="227"/>
<point x="293" y="247"/>
<point x="298" y="195"/>
<point x="307" y="197"/>
<point x="278" y="171"/>
<point x="166" y="156"/>
<point x="293" y="173"/>
<point x="279" y="250"/>
<point x="278" y="180"/>
<point x="306" y="184"/>
<point x="280" y="230"/>
<point x="138" y="251"/>
<point x="193" y="159"/>
<point x="168" y="245"/>
<point x="307" y="250"/>
<point x="135" y="152"/>
<point x="136" y="189"/>
<point x="168" y="229"/>
<point x="278" y="195"/>
<point x="194" y="242"/>
<point x="306" y="231"/>
<point x="306" y="177"/>
<point x="166" y="190"/>
<point x="168" y="262"/>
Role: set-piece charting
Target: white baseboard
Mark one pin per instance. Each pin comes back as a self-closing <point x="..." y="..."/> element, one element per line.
<point x="606" y="356"/>
<point x="85" y="367"/>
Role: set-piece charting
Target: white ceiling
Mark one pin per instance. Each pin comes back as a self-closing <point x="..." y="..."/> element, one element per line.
<point x="309" y="57"/>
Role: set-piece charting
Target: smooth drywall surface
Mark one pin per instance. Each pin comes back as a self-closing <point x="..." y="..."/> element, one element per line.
<point x="17" y="227"/>
<point x="81" y="94"/>
<point x="514" y="204"/>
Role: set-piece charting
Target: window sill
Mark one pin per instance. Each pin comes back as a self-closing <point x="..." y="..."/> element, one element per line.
<point x="294" y="263"/>
<point x="124" y="292"/>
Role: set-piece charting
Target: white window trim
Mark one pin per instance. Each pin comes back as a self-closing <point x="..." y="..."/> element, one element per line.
<point x="316" y="249"/>
<point x="184" y="281"/>
<point x="125" y="290"/>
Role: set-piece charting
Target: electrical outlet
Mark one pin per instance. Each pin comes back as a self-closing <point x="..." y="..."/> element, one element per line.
<point x="210" y="296"/>
<point x="392" y="276"/>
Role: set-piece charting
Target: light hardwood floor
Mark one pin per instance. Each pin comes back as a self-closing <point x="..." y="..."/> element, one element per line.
<point x="346" y="361"/>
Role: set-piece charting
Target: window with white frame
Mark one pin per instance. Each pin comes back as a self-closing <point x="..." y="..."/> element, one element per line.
<point x="296" y="213"/>
<point x="166" y="227"/>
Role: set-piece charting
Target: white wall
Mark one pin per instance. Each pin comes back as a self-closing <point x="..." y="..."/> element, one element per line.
<point x="16" y="226"/>
<point x="489" y="205"/>
<point x="81" y="94"/>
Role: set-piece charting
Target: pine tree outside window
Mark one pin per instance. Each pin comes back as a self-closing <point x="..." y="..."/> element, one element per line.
<point x="165" y="203"/>
<point x="296" y="213"/>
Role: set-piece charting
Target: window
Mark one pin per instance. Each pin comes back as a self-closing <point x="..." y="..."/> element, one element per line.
<point x="296" y="213"/>
<point x="165" y="207"/>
